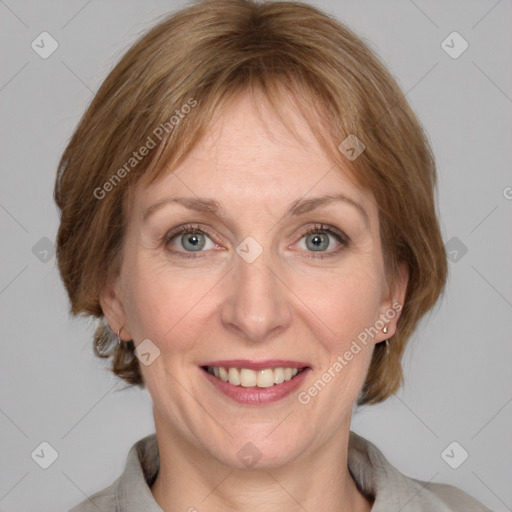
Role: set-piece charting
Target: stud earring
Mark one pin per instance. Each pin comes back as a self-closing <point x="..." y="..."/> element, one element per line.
<point x="385" y="331"/>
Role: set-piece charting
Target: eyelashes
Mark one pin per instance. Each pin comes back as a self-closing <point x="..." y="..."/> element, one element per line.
<point x="195" y="229"/>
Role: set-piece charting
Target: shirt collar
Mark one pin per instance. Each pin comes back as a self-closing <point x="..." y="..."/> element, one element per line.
<point x="133" y="489"/>
<point x="373" y="475"/>
<point x="392" y="490"/>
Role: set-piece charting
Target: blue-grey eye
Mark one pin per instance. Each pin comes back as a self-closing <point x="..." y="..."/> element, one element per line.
<point x="320" y="240"/>
<point x="317" y="241"/>
<point x="188" y="239"/>
<point x="192" y="241"/>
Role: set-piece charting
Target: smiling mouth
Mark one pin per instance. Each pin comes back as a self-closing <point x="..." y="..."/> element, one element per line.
<point x="245" y="377"/>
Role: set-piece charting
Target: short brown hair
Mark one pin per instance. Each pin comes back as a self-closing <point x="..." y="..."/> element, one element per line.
<point x="200" y="57"/>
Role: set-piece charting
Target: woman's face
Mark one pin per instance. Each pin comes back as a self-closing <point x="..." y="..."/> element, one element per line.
<point x="272" y="275"/>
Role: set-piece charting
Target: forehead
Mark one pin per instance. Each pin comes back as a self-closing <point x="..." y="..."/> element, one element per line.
<point x="255" y="156"/>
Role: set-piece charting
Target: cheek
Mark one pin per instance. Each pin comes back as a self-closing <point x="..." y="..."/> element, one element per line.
<point x="162" y="305"/>
<point x="341" y="303"/>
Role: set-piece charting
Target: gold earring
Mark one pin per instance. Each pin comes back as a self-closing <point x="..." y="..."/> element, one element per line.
<point x="385" y="329"/>
<point x="118" y="336"/>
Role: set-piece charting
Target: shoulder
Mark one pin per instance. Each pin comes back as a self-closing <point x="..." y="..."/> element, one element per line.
<point x="131" y="491"/>
<point x="393" y="490"/>
<point x="104" y="500"/>
<point x="454" y="498"/>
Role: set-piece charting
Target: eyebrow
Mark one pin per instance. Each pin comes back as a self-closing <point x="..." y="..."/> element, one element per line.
<point x="298" y="207"/>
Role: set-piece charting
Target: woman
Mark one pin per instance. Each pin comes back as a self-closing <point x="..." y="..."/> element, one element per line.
<point x="247" y="207"/>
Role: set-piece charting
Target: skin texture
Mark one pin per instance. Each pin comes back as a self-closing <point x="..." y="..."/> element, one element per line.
<point x="283" y="305"/>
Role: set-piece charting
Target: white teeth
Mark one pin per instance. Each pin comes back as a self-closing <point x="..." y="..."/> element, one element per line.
<point x="278" y="375"/>
<point x="223" y="374"/>
<point x="265" y="378"/>
<point x="234" y="376"/>
<point x="249" y="378"/>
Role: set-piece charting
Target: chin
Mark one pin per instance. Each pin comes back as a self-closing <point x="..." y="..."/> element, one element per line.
<point x="257" y="449"/>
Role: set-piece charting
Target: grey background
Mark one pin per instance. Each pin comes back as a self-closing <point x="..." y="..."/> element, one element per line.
<point x="457" y="367"/>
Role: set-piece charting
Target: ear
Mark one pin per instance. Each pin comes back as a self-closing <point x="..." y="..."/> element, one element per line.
<point x="111" y="301"/>
<point x="392" y="304"/>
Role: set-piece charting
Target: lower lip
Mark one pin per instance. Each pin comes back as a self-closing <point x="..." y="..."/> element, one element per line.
<point x="254" y="395"/>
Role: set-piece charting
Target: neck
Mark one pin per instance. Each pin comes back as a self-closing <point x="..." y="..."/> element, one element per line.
<point x="189" y="479"/>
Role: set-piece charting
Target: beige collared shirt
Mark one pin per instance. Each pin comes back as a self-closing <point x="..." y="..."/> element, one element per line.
<point x="374" y="475"/>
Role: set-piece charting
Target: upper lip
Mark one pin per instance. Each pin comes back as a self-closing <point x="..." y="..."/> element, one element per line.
<point x="256" y="365"/>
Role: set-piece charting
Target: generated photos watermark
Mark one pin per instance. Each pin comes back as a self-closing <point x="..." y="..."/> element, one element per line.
<point x="151" y="142"/>
<point x="341" y="361"/>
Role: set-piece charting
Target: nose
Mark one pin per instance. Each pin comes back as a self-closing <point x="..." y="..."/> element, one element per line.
<point x="256" y="305"/>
